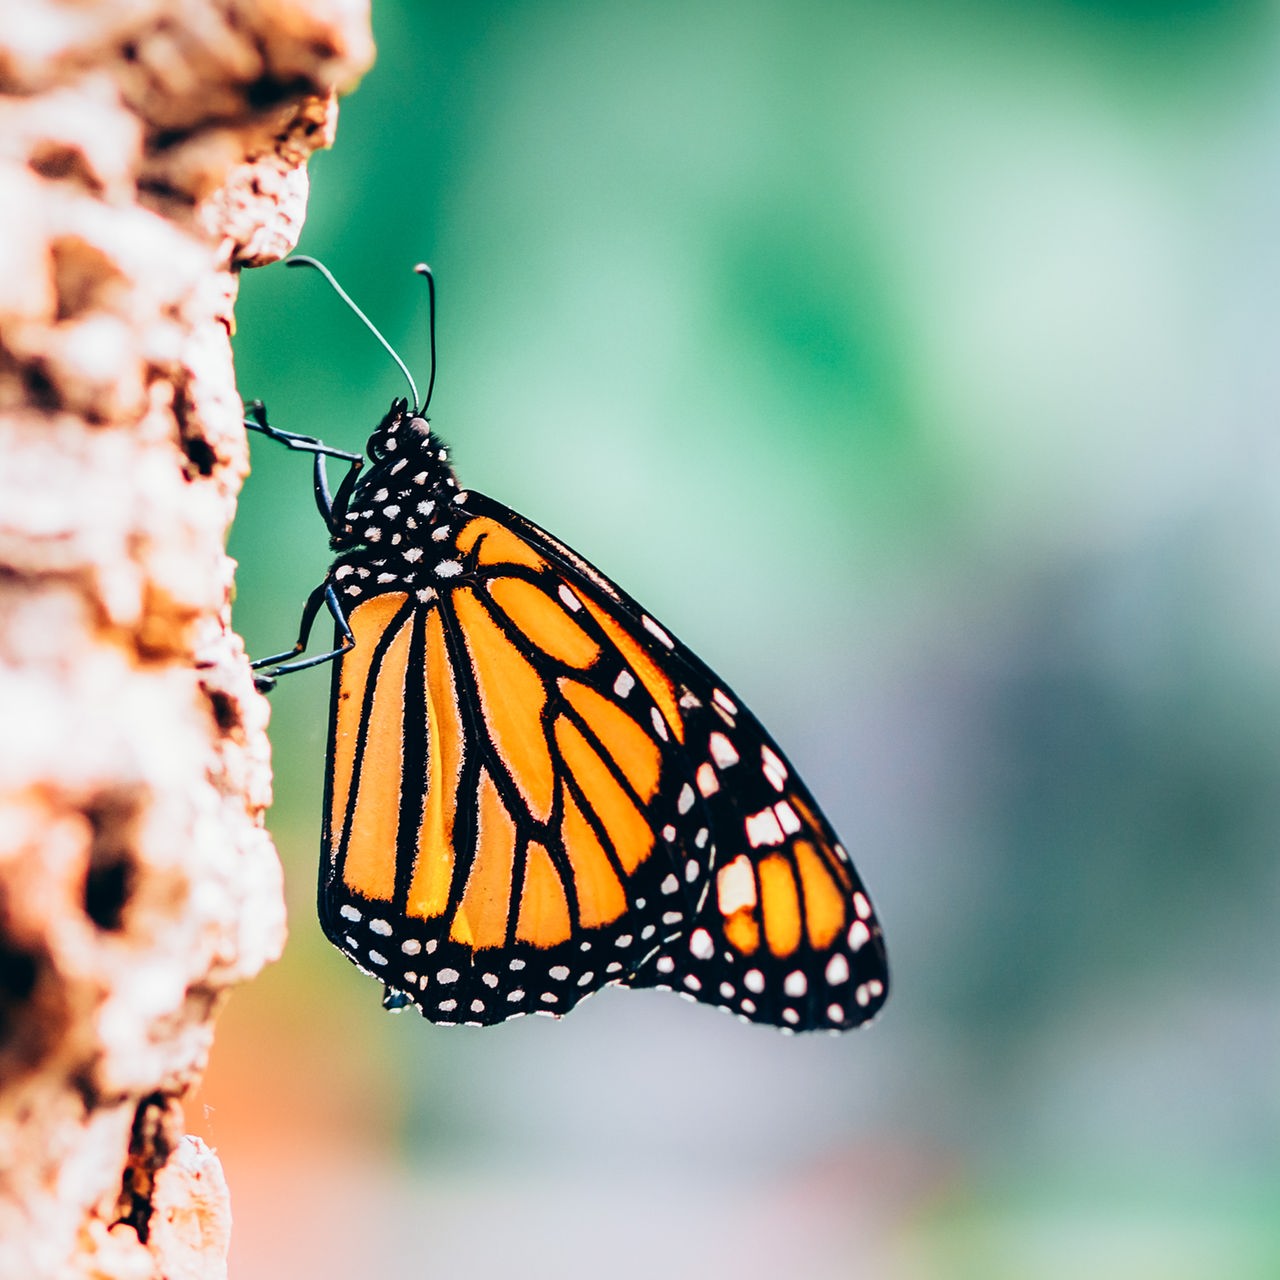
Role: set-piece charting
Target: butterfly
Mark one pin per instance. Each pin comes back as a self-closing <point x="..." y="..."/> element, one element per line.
<point x="534" y="789"/>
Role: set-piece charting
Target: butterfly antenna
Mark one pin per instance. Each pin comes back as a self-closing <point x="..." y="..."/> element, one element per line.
<point x="302" y="260"/>
<point x="423" y="270"/>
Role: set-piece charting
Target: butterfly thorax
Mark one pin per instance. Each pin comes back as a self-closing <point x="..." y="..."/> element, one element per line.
<point x="398" y="515"/>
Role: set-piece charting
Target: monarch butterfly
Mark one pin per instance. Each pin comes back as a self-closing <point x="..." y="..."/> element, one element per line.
<point x="533" y="789"/>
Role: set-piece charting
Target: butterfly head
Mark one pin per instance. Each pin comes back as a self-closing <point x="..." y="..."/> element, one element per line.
<point x="407" y="487"/>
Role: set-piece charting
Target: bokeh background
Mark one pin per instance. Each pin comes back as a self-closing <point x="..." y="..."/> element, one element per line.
<point x="915" y="363"/>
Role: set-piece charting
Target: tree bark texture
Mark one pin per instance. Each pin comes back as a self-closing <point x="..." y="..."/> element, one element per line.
<point x="148" y="150"/>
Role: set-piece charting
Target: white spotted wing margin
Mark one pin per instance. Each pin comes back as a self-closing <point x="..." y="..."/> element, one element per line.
<point x="762" y="912"/>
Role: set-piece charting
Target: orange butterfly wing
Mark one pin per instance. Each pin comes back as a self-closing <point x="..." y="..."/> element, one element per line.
<point x="534" y="790"/>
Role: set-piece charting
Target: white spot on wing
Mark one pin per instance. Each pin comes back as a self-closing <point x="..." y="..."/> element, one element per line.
<point x="763" y="828"/>
<point x="837" y="970"/>
<point x="700" y="944"/>
<point x="795" y="984"/>
<point x="571" y="601"/>
<point x="654" y="630"/>
<point x="448" y="569"/>
<point x="735" y="886"/>
<point x="624" y="683"/>
<point x="788" y="820"/>
<point x="723" y="752"/>
<point x="706" y="779"/>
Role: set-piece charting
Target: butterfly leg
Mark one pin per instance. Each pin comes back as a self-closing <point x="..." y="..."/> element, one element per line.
<point x="283" y="664"/>
<point x="333" y="510"/>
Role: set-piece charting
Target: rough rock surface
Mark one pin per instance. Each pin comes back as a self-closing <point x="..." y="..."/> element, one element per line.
<point x="148" y="150"/>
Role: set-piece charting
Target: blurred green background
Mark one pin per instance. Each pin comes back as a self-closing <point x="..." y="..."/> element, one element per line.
<point x="914" y="362"/>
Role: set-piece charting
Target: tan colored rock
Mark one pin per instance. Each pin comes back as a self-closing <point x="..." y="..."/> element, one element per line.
<point x="148" y="149"/>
